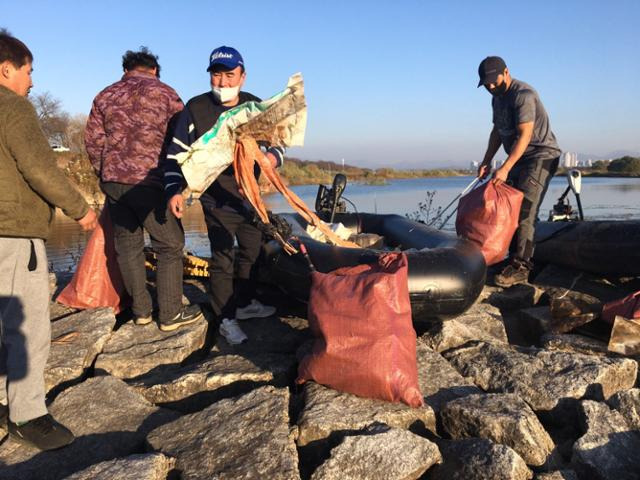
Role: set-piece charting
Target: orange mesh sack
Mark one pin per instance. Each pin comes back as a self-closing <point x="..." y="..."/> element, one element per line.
<point x="488" y="216"/>
<point x="365" y="342"/>
<point x="97" y="281"/>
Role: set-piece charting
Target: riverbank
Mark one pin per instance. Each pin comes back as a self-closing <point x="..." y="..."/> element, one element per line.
<point x="294" y="172"/>
<point x="507" y="396"/>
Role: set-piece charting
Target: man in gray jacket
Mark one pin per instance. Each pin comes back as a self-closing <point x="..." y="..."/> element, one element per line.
<point x="31" y="186"/>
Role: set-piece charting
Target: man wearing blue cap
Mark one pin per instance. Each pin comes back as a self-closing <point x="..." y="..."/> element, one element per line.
<point x="227" y="214"/>
<point x="521" y="126"/>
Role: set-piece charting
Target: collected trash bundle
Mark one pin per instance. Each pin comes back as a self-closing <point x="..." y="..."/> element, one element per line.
<point x="365" y="343"/>
<point x="488" y="216"/>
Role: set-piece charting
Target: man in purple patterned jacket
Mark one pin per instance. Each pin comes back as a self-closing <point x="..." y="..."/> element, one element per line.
<point x="125" y="139"/>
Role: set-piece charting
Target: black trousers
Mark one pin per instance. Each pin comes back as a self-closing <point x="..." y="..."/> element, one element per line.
<point x="532" y="178"/>
<point x="134" y="208"/>
<point x="232" y="273"/>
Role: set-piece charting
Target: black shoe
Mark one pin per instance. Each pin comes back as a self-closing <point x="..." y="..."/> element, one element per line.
<point x="42" y="432"/>
<point x="188" y="314"/>
<point x="516" y="272"/>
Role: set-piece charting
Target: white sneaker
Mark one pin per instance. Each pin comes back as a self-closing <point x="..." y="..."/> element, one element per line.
<point x="232" y="332"/>
<point x="255" y="310"/>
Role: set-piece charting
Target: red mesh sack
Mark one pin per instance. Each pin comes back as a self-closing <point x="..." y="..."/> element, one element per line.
<point x="627" y="307"/>
<point x="488" y="216"/>
<point x="97" y="281"/>
<point x="365" y="342"/>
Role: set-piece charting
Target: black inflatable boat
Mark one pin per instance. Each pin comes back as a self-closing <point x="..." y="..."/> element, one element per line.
<point x="446" y="273"/>
<point x="600" y="247"/>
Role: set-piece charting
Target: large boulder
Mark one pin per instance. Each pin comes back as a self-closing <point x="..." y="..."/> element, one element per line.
<point x="516" y="297"/>
<point x="149" y="466"/>
<point x="481" y="322"/>
<point x="268" y="335"/>
<point x="609" y="448"/>
<point x="557" y="475"/>
<point x="241" y="438"/>
<point x="502" y="418"/>
<point x="172" y="383"/>
<point x="557" y="281"/>
<point x="390" y="455"/>
<point x="479" y="459"/>
<point x="544" y="379"/>
<point x="108" y="418"/>
<point x="627" y="403"/>
<point x="328" y="411"/>
<point x="134" y="350"/>
<point x="439" y="382"/>
<point x="574" y="344"/>
<point x="76" y="340"/>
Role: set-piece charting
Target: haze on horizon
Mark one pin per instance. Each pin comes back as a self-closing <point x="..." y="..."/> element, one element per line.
<point x="387" y="84"/>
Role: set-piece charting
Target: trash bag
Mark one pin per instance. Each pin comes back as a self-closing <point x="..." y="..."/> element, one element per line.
<point x="627" y="307"/>
<point x="97" y="281"/>
<point x="488" y="216"/>
<point x="365" y="342"/>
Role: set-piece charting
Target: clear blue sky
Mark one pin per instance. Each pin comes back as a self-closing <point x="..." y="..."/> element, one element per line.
<point x="387" y="83"/>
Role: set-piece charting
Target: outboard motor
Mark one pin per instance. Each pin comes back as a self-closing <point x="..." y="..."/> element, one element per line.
<point x="562" y="210"/>
<point x="328" y="201"/>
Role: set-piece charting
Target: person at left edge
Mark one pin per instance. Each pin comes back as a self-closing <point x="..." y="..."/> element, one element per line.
<point x="31" y="186"/>
<point x="229" y="217"/>
<point x="125" y="137"/>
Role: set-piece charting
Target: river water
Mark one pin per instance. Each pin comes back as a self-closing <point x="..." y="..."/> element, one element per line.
<point x="602" y="198"/>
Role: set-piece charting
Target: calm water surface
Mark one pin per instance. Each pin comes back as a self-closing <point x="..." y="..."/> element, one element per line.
<point x="602" y="198"/>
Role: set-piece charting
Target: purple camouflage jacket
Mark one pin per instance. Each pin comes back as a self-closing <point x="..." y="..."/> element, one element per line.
<point x="126" y="129"/>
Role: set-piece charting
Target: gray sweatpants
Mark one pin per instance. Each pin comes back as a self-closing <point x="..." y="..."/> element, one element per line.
<point x="25" y="328"/>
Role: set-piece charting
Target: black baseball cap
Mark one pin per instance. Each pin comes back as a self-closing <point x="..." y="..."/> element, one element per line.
<point x="489" y="70"/>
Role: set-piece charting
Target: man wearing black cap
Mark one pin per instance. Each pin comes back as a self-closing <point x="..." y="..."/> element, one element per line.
<point x="227" y="214"/>
<point x="521" y="126"/>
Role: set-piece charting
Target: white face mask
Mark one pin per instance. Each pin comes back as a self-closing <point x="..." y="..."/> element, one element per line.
<point x="225" y="94"/>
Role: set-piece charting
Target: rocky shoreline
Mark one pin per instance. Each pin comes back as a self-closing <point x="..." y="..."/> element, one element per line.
<point x="507" y="397"/>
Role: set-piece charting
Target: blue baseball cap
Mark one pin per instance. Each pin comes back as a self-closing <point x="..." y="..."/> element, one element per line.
<point x="227" y="56"/>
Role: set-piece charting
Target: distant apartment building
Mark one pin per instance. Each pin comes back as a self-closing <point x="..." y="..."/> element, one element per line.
<point x="570" y="160"/>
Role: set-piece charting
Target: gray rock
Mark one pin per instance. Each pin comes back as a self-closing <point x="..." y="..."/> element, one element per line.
<point x="609" y="448"/>
<point x="501" y="418"/>
<point x="536" y="320"/>
<point x="479" y="459"/>
<point x="557" y="475"/>
<point x="195" y="291"/>
<point x="149" y="466"/>
<point x="327" y="411"/>
<point x="76" y="340"/>
<point x="439" y="382"/>
<point x="3" y="421"/>
<point x="109" y="420"/>
<point x="557" y="280"/>
<point x="480" y="322"/>
<point x="173" y="383"/>
<point x="627" y="403"/>
<point x="57" y="311"/>
<point x="268" y="335"/>
<point x="542" y="378"/>
<point x="391" y="455"/>
<point x="134" y="350"/>
<point x="516" y="297"/>
<point x="246" y="437"/>
<point x="573" y="344"/>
